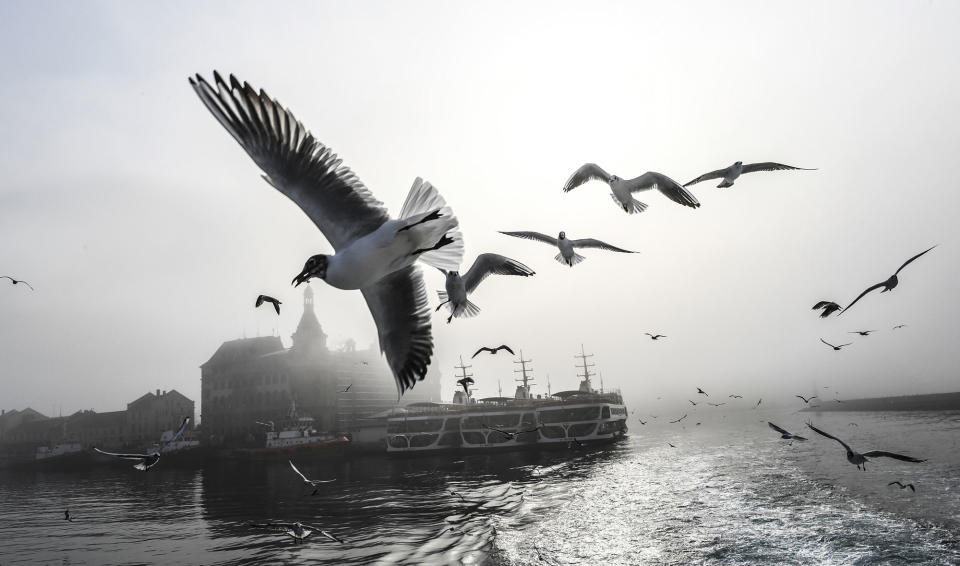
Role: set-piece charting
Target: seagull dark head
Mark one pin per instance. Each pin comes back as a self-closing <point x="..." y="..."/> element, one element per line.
<point x="738" y="163"/>
<point x="316" y="266"/>
<point x="563" y="235"/>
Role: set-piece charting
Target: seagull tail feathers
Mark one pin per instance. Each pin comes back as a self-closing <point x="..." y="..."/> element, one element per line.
<point x="422" y="201"/>
<point x="466" y="310"/>
<point x="633" y="207"/>
<point x="725" y="184"/>
<point x="577" y="258"/>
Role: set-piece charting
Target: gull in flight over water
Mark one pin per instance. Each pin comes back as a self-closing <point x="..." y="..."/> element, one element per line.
<point x="890" y="284"/>
<point x="511" y="435"/>
<point x="312" y="483"/>
<point x="147" y="461"/>
<point x="730" y="174"/>
<point x="837" y="348"/>
<point x="655" y="336"/>
<point x="457" y="287"/>
<point x="702" y="392"/>
<point x="17" y="281"/>
<point x="680" y="419"/>
<point x="862" y="332"/>
<point x="784" y="434"/>
<point x="492" y="350"/>
<point x="735" y="396"/>
<point x="805" y="399"/>
<point x="622" y="189"/>
<point x="299" y="531"/>
<point x="860" y="460"/>
<point x="903" y="486"/>
<point x="899" y="326"/>
<point x="829" y="307"/>
<point x="566" y="246"/>
<point x="268" y="299"/>
<point x="373" y="253"/>
<point x="465" y="382"/>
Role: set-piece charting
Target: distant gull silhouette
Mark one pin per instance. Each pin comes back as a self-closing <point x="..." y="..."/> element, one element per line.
<point x="566" y="246"/>
<point x="837" y="348"/>
<point x="147" y="461"/>
<point x="758" y="403"/>
<point x="492" y="350"/>
<point x="465" y="382"/>
<point x="902" y="486"/>
<point x="829" y="307"/>
<point x="862" y="332"/>
<point x="899" y="326"/>
<point x="17" y="281"/>
<point x="680" y="419"/>
<point x="511" y="435"/>
<point x="347" y="388"/>
<point x="784" y="434"/>
<point x="268" y="299"/>
<point x="458" y="495"/>
<point x="312" y="483"/>
<point x="860" y="460"/>
<point x="806" y="400"/>
<point x="373" y="253"/>
<point x="735" y="396"/>
<point x="888" y="285"/>
<point x="655" y="336"/>
<point x="692" y="403"/>
<point x="299" y="531"/>
<point x="268" y="424"/>
<point x="716" y="404"/>
<point x="701" y="391"/>
<point x="641" y="421"/>
<point x="671" y="445"/>
<point x="622" y="189"/>
<point x="730" y="174"/>
<point x="457" y="287"/>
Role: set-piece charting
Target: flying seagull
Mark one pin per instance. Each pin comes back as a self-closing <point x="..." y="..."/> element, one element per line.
<point x="836" y="348"/>
<point x="492" y="350"/>
<point x="716" y="404"/>
<point x="268" y="424"/>
<point x="806" y="399"/>
<point x="566" y="246"/>
<point x="899" y="326"/>
<point x="701" y="391"/>
<point x="299" y="531"/>
<point x="511" y="435"/>
<point x="862" y="332"/>
<point x="692" y="403"/>
<point x="312" y="483"/>
<point x="147" y="461"/>
<point x="730" y="174"/>
<point x="622" y="189"/>
<point x="268" y="299"/>
<point x="680" y="419"/>
<point x="888" y="285"/>
<point x="17" y="281"/>
<point x="735" y="396"/>
<point x="465" y="382"/>
<point x="860" y="460"/>
<point x="758" y="403"/>
<point x="784" y="434"/>
<point x="347" y="388"/>
<point x="902" y="486"/>
<point x="373" y="253"/>
<point x="655" y="336"/>
<point x="671" y="445"/>
<point x="457" y="288"/>
<point x="829" y="307"/>
<point x="458" y="495"/>
<point x="641" y="421"/>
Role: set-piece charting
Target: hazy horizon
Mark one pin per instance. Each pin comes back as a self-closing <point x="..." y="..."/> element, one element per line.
<point x="148" y="232"/>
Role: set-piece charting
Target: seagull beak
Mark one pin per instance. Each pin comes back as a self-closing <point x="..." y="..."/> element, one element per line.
<point x="301" y="277"/>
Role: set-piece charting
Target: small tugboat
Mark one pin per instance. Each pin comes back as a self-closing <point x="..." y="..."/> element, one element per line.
<point x="524" y="422"/>
<point x="296" y="435"/>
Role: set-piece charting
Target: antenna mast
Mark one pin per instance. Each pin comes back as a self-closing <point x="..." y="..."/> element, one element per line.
<point x="499" y="389"/>
<point x="585" y="385"/>
<point x="463" y="371"/>
<point x="526" y="380"/>
<point x="549" y="391"/>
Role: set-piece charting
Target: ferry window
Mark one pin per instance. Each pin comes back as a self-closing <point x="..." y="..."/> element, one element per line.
<point x="473" y="438"/>
<point x="584" y="429"/>
<point x="527" y="420"/>
<point x="449" y="439"/>
<point x="495" y="437"/>
<point x="566" y="415"/>
<point x="422" y="440"/>
<point x="398" y="442"/>
<point x="552" y="432"/>
<point x="605" y="412"/>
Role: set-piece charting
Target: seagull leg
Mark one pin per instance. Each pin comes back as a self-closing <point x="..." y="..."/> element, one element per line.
<point x="432" y="216"/>
<point x="442" y="242"/>
<point x="441" y="304"/>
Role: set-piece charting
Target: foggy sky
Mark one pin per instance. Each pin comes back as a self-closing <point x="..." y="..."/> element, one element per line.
<point x="148" y="232"/>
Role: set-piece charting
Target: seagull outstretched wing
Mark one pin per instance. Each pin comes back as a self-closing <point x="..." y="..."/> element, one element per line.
<point x="124" y="456"/>
<point x="707" y="176"/>
<point x="882" y="454"/>
<point x="492" y="264"/>
<point x="399" y="306"/>
<point x="323" y="532"/>
<point x="670" y="188"/>
<point x="821" y="433"/>
<point x="593" y="243"/>
<point x="587" y="172"/>
<point x="770" y="166"/>
<point x="183" y="427"/>
<point x="533" y="236"/>
<point x="293" y="161"/>
<point x="871" y="288"/>
<point x="776" y="428"/>
<point x="906" y="263"/>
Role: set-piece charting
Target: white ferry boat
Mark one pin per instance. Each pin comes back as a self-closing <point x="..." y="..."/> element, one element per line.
<point x="580" y="417"/>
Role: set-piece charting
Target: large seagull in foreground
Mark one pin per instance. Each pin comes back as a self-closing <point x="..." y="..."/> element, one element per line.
<point x="621" y="190"/>
<point x="373" y="253"/>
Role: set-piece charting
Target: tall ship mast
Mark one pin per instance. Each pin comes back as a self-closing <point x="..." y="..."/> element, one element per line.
<point x="565" y="419"/>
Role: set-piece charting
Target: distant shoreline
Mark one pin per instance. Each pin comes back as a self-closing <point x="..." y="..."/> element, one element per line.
<point x="929" y="402"/>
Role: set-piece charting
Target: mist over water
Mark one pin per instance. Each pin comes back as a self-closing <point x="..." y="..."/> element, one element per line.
<point x="729" y="493"/>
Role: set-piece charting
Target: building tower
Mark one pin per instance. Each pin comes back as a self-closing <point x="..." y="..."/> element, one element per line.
<point x="309" y="336"/>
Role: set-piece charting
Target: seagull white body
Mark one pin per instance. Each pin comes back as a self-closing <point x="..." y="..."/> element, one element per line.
<point x="298" y="531"/>
<point x="860" y="460"/>
<point x="147" y="461"/>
